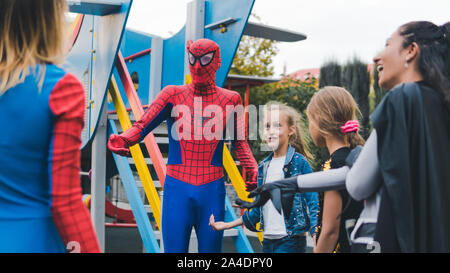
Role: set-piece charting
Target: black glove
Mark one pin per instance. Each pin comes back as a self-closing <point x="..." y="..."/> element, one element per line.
<point x="249" y="186"/>
<point x="259" y="202"/>
<point x="281" y="192"/>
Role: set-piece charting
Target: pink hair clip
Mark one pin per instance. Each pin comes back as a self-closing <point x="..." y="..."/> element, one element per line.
<point x="350" y="126"/>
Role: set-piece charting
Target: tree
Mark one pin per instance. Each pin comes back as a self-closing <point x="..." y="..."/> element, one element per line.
<point x="356" y="79"/>
<point x="330" y="74"/>
<point x="254" y="56"/>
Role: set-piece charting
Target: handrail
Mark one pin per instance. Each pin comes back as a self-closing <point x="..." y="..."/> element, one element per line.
<point x="139" y="54"/>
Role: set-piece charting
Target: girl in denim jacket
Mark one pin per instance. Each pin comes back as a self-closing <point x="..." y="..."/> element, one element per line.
<point x="285" y="232"/>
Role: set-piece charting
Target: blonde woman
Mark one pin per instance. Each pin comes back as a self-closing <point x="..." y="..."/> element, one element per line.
<point x="41" y="116"/>
<point x="284" y="231"/>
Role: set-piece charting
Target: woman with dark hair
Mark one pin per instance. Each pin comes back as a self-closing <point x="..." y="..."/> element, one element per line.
<point x="413" y="133"/>
<point x="402" y="172"/>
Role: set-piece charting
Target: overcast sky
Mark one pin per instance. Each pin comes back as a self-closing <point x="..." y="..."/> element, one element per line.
<point x="338" y="29"/>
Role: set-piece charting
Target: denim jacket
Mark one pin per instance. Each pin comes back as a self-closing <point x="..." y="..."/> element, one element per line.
<point x="303" y="217"/>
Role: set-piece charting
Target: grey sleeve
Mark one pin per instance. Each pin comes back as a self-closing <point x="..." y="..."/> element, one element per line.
<point x="361" y="181"/>
<point x="333" y="179"/>
<point x="364" y="178"/>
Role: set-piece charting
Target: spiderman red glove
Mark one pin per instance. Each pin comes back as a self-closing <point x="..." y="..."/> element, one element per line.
<point x="251" y="183"/>
<point x="119" y="145"/>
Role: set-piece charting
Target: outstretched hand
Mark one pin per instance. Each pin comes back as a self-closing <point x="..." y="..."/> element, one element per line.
<point x="280" y="192"/>
<point x="217" y="226"/>
<point x="117" y="144"/>
<point x="263" y="198"/>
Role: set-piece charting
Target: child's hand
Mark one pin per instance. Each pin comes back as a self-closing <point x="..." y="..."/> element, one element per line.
<point x="217" y="226"/>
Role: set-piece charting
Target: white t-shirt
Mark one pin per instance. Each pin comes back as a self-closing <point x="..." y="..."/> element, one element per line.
<point x="274" y="226"/>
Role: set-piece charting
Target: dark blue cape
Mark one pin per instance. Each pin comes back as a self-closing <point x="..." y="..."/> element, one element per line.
<point x="413" y="129"/>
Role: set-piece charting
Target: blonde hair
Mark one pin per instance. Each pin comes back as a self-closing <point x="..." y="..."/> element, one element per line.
<point x="330" y="108"/>
<point x="296" y="140"/>
<point x="31" y="33"/>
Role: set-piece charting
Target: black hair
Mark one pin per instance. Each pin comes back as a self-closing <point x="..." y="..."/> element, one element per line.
<point x="434" y="56"/>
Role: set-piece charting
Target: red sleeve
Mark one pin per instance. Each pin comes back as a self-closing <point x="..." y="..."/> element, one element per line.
<point x="153" y="116"/>
<point x="71" y="217"/>
<point x="243" y="151"/>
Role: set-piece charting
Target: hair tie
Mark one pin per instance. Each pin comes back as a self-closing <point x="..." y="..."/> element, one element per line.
<point x="350" y="126"/>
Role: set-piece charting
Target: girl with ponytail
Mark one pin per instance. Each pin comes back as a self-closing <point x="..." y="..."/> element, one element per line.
<point x="333" y="124"/>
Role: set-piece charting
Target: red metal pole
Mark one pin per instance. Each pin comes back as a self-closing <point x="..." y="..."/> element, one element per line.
<point x="138" y="111"/>
<point x="76" y="30"/>
<point x="139" y="54"/>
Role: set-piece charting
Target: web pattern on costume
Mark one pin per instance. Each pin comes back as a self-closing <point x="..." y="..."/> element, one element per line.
<point x="69" y="214"/>
<point x="197" y="152"/>
<point x="204" y="77"/>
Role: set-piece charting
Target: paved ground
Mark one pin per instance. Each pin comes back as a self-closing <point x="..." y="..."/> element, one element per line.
<point x="128" y="240"/>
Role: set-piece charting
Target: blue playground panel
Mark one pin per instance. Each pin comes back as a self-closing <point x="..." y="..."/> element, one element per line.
<point x="134" y="42"/>
<point x="93" y="56"/>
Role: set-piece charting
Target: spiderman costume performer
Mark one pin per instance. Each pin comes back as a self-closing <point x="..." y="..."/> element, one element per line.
<point x="196" y="116"/>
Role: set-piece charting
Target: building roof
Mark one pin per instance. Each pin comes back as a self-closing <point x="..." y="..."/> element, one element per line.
<point x="234" y="81"/>
<point x="302" y="74"/>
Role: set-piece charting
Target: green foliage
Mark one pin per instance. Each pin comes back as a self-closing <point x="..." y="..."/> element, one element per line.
<point x="330" y="74"/>
<point x="254" y="57"/>
<point x="295" y="93"/>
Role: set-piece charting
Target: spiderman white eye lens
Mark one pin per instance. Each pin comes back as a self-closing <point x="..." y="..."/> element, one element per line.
<point x="206" y="59"/>
<point x="191" y="58"/>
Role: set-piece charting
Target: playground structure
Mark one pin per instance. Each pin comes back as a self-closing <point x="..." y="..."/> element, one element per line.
<point x="100" y="42"/>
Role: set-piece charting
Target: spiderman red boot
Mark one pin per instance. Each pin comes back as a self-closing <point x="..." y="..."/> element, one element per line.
<point x="197" y="115"/>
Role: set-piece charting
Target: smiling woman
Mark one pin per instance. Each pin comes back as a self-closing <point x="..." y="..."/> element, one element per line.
<point x="417" y="51"/>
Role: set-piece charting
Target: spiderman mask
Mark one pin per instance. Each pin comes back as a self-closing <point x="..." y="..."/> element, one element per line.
<point x="204" y="61"/>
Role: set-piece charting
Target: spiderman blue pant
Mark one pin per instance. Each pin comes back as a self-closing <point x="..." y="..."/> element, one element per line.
<point x="186" y="206"/>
